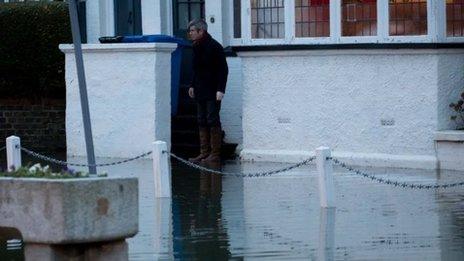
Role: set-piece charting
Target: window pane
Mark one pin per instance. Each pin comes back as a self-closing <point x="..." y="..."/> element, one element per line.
<point x="408" y="17"/>
<point x="237" y="19"/>
<point x="267" y="19"/>
<point x="195" y="11"/>
<point x="455" y="17"/>
<point x="359" y="17"/>
<point x="184" y="15"/>
<point x="312" y="18"/>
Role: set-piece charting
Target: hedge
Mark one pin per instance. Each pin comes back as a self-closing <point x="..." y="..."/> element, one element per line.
<point x="31" y="65"/>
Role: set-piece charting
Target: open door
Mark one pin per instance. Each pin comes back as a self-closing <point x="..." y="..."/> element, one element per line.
<point x="128" y="20"/>
<point x="185" y="11"/>
<point x="184" y="130"/>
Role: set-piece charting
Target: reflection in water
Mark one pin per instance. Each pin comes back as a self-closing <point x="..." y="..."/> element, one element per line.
<point x="279" y="217"/>
<point x="213" y="217"/>
<point x="326" y="247"/>
<point x="162" y="233"/>
<point x="198" y="229"/>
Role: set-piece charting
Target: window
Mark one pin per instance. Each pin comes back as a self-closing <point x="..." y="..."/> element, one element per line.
<point x="184" y="12"/>
<point x="359" y="17"/>
<point x="455" y="18"/>
<point x="299" y="22"/>
<point x="312" y="18"/>
<point x="408" y="17"/>
<point x="189" y="10"/>
<point x="267" y="19"/>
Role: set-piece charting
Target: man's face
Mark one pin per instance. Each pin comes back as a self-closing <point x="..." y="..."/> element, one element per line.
<point x="195" y="34"/>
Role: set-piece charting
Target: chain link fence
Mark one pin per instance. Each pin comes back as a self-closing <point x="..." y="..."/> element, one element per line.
<point x="255" y="174"/>
<point x="64" y="163"/>
<point x="393" y="182"/>
<point x="239" y="174"/>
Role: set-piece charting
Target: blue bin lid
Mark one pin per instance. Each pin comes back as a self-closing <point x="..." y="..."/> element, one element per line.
<point x="155" y="38"/>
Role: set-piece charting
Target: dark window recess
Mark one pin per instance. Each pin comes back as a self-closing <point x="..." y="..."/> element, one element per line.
<point x="184" y="12"/>
<point x="128" y="17"/>
<point x="81" y="12"/>
<point x="237" y="19"/>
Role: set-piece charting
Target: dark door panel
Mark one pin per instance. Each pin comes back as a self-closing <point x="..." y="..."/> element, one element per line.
<point x="128" y="17"/>
<point x="183" y="12"/>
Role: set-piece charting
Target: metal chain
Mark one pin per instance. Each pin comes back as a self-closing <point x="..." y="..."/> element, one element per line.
<point x="394" y="183"/>
<point x="239" y="174"/>
<point x="60" y="162"/>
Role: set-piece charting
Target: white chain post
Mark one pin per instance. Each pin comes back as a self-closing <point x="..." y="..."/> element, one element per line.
<point x="325" y="170"/>
<point x="161" y="170"/>
<point x="13" y="153"/>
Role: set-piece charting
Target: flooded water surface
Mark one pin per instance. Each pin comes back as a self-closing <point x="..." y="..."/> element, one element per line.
<point x="212" y="217"/>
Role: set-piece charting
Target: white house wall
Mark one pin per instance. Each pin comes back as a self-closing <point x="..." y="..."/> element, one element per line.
<point x="213" y="16"/>
<point x="156" y="17"/>
<point x="450" y="86"/>
<point x="93" y="21"/>
<point x="231" y="110"/>
<point x="129" y="98"/>
<point x="375" y="107"/>
<point x="99" y="19"/>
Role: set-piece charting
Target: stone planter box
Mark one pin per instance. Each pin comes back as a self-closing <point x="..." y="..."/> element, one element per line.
<point x="70" y="211"/>
<point x="71" y="219"/>
<point x="450" y="149"/>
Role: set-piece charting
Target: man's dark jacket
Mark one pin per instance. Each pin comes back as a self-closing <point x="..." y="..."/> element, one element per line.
<point x="209" y="69"/>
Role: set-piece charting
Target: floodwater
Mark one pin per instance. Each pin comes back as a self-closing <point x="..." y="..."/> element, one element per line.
<point x="213" y="217"/>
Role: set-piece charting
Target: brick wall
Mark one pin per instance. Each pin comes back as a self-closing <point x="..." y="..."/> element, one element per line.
<point x="40" y="124"/>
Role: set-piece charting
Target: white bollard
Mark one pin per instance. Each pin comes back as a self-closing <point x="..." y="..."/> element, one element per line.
<point x="161" y="170"/>
<point x="13" y="153"/>
<point x="325" y="170"/>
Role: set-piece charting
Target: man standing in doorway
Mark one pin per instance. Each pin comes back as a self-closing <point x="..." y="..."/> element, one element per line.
<point x="210" y="72"/>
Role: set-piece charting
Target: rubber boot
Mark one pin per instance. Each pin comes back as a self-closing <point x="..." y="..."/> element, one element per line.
<point x="216" y="142"/>
<point x="204" y="145"/>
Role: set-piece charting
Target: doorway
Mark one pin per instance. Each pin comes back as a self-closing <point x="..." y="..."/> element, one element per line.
<point x="128" y="20"/>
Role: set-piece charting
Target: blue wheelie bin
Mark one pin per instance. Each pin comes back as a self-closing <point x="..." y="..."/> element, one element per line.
<point x="176" y="60"/>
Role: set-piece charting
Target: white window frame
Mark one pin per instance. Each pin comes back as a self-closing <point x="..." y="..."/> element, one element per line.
<point x="436" y="27"/>
<point x="441" y="26"/>
<point x="431" y="26"/>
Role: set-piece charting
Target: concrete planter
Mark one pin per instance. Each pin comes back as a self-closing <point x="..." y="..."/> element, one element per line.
<point x="70" y="211"/>
<point x="450" y="149"/>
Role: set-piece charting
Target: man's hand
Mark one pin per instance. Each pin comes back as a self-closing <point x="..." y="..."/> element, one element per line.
<point x="191" y="92"/>
<point x="219" y="96"/>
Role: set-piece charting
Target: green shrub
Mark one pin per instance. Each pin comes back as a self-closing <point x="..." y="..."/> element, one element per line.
<point x="45" y="172"/>
<point x="31" y="65"/>
<point x="458" y="109"/>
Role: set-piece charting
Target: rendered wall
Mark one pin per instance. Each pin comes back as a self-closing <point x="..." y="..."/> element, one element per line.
<point x="231" y="108"/>
<point x="372" y="107"/>
<point x="129" y="98"/>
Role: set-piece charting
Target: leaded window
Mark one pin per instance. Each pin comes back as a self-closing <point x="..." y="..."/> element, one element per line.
<point x="267" y="19"/>
<point x="455" y="18"/>
<point x="359" y="17"/>
<point x="312" y="18"/>
<point x="408" y="17"/>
